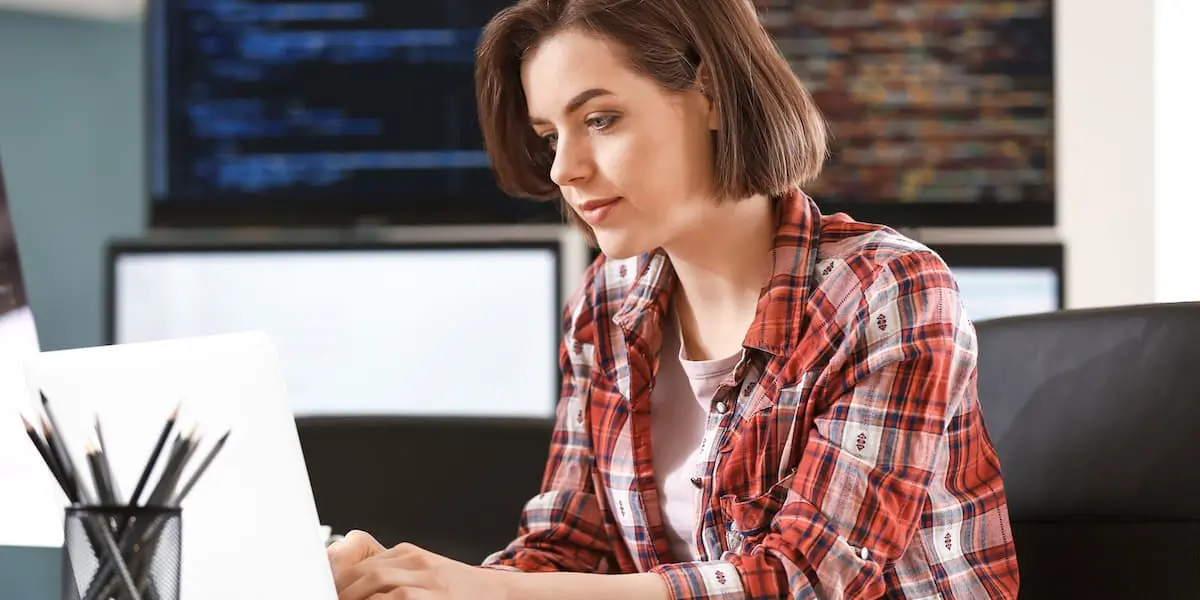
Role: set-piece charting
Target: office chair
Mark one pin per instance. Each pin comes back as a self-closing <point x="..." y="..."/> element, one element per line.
<point x="1095" y="415"/>
<point x="452" y="486"/>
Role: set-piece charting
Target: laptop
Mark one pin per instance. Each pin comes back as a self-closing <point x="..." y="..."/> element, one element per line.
<point x="250" y="527"/>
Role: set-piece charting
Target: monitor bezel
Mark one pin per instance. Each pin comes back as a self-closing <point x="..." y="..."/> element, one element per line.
<point x="1016" y="256"/>
<point x="118" y="248"/>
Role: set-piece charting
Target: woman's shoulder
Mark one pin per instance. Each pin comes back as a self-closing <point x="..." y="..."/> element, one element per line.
<point x="870" y="263"/>
<point x="869" y="249"/>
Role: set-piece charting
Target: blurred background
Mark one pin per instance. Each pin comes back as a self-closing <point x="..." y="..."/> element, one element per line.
<point x="183" y="167"/>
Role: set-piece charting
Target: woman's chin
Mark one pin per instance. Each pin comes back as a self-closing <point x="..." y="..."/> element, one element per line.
<point x="617" y="247"/>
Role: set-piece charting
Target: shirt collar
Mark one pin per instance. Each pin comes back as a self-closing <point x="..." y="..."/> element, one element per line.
<point x="778" y="321"/>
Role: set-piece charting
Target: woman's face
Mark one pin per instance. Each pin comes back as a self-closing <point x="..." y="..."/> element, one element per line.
<point x="633" y="160"/>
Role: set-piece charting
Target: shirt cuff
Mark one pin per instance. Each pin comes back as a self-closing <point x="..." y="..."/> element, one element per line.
<point x="500" y="567"/>
<point x="716" y="580"/>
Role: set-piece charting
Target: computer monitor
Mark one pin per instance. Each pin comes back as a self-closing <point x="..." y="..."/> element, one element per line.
<point x="378" y="328"/>
<point x="941" y="113"/>
<point x="1004" y="280"/>
<point x="278" y="112"/>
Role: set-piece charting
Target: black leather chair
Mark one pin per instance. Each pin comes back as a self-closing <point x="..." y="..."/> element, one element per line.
<point x="452" y="486"/>
<point x="1096" y="417"/>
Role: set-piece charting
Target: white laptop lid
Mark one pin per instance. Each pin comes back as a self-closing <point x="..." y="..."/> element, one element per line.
<point x="250" y="526"/>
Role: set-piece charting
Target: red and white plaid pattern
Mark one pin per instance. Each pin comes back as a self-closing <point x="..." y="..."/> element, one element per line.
<point x="846" y="455"/>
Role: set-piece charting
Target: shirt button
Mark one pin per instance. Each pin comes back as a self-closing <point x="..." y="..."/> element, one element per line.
<point x="721" y="408"/>
<point x="697" y="482"/>
<point x="864" y="553"/>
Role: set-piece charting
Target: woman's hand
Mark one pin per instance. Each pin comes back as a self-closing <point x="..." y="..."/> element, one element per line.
<point x="363" y="569"/>
<point x="356" y="547"/>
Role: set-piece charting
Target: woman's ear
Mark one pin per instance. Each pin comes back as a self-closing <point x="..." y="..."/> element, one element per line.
<point x="704" y="85"/>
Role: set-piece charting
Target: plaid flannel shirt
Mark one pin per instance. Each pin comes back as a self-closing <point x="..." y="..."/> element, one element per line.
<point x="846" y="455"/>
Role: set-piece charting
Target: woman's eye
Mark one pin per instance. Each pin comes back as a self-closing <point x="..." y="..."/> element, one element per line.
<point x="602" y="122"/>
<point x="551" y="140"/>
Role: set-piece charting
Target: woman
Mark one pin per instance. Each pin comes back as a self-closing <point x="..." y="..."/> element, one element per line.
<point x="759" y="401"/>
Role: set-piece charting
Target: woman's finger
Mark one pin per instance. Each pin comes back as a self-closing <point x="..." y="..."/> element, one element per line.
<point x="380" y="577"/>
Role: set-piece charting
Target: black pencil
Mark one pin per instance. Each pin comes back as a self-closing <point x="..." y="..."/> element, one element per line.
<point x="154" y="455"/>
<point x="98" y="479"/>
<point x="64" y="453"/>
<point x="114" y="491"/>
<point x="72" y="485"/>
<point x="180" y="448"/>
<point x="44" y="451"/>
<point x="178" y="499"/>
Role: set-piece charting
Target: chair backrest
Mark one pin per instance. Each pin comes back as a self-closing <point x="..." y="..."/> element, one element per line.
<point x="452" y="486"/>
<point x="1095" y="415"/>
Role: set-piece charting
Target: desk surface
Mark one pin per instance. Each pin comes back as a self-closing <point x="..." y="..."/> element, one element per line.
<point x="29" y="573"/>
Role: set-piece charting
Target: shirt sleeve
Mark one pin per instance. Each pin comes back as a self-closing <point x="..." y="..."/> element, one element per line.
<point x="901" y="403"/>
<point x="563" y="528"/>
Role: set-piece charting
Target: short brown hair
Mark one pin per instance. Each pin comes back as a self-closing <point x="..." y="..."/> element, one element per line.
<point x="771" y="137"/>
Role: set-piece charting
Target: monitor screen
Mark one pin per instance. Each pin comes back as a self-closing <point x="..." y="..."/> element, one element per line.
<point x="1006" y="280"/>
<point x="942" y="113"/>
<point x="445" y="331"/>
<point x="283" y="110"/>
<point x="992" y="292"/>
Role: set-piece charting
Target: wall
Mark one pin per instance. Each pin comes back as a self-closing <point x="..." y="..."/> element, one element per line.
<point x="1176" y="130"/>
<point x="1105" y="138"/>
<point x="71" y="146"/>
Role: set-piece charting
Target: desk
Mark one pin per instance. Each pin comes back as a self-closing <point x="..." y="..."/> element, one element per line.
<point x="29" y="573"/>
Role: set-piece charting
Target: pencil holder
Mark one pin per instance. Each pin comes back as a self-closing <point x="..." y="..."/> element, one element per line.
<point x="121" y="553"/>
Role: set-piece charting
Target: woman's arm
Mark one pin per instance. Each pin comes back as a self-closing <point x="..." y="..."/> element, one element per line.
<point x="562" y="528"/>
<point x="585" y="586"/>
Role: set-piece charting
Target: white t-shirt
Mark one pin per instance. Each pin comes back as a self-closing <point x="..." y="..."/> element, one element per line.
<point x="679" y="405"/>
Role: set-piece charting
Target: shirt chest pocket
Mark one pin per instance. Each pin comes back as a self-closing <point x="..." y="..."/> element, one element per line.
<point x="769" y="442"/>
<point x="747" y="521"/>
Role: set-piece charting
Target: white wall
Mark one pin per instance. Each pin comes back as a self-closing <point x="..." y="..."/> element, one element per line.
<point x="1105" y="149"/>
<point x="1176" y="135"/>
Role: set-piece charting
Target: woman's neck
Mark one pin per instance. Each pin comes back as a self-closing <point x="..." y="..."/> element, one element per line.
<point x="722" y="268"/>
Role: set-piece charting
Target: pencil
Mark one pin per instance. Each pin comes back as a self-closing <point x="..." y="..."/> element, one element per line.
<point x="114" y="492"/>
<point x="64" y="453"/>
<point x="44" y="452"/>
<point x="170" y="472"/>
<point x="72" y="487"/>
<point x="98" y="476"/>
<point x="178" y="499"/>
<point x="154" y="455"/>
